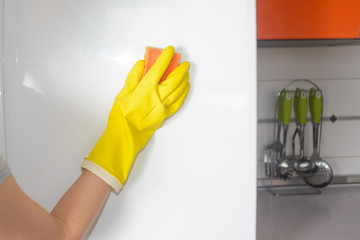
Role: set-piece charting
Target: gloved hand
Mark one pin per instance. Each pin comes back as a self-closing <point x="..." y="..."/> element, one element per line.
<point x="139" y="109"/>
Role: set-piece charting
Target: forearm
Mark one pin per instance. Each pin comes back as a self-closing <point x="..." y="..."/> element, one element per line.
<point x="22" y="218"/>
<point x="81" y="204"/>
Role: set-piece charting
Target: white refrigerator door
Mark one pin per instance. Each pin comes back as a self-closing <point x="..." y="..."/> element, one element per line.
<point x="65" y="61"/>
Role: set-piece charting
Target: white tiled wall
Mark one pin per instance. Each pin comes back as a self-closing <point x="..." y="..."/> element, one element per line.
<point x="336" y="70"/>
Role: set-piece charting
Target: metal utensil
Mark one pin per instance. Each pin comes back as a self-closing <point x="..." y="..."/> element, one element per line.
<point x="323" y="175"/>
<point x="303" y="166"/>
<point x="286" y="101"/>
<point x="273" y="151"/>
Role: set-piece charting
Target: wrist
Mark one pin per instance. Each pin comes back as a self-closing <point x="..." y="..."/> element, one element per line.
<point x="94" y="168"/>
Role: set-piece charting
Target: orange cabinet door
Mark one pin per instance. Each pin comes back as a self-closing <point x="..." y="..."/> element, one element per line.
<point x="308" y="19"/>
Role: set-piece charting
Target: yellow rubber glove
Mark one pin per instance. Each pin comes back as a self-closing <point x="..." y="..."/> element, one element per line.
<point x="139" y="109"/>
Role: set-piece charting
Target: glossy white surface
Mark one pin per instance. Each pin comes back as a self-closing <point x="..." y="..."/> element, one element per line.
<point x="66" y="60"/>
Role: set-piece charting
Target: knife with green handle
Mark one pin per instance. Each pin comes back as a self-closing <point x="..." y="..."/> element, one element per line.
<point x="280" y="101"/>
<point x="300" y="106"/>
<point x="286" y="106"/>
<point x="315" y="104"/>
<point x="296" y="107"/>
<point x="311" y="98"/>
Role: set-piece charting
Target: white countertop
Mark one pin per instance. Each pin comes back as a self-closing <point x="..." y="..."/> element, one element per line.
<point x="332" y="215"/>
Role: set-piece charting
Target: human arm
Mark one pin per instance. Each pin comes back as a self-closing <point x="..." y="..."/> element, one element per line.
<point x="139" y="109"/>
<point x="81" y="204"/>
<point x="22" y="218"/>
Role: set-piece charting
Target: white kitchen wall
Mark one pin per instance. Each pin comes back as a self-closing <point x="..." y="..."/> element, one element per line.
<point x="65" y="61"/>
<point x="336" y="71"/>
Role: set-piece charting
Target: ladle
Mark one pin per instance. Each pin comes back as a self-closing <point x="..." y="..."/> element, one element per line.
<point x="303" y="166"/>
<point x="323" y="174"/>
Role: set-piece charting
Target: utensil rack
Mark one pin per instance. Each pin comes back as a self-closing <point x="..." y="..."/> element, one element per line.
<point x="271" y="162"/>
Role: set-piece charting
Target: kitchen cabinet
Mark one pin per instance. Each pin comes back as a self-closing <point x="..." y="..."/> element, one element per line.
<point x="331" y="21"/>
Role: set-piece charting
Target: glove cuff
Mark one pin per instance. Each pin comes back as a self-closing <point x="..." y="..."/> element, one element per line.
<point x="103" y="174"/>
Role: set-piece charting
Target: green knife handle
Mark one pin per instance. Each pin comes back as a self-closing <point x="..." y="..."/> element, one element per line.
<point x="300" y="106"/>
<point x="296" y="108"/>
<point x="280" y="101"/>
<point x="316" y="106"/>
<point x="311" y="98"/>
<point x="287" y="102"/>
